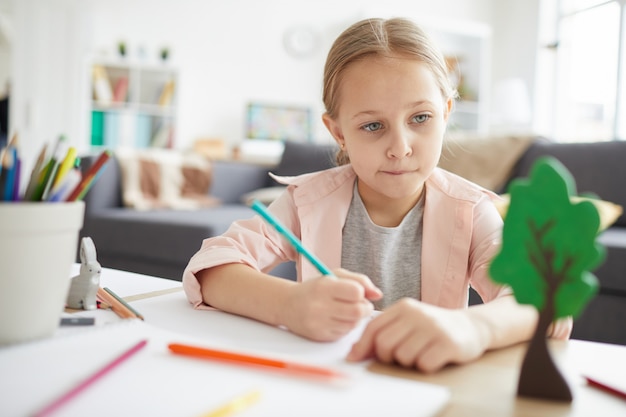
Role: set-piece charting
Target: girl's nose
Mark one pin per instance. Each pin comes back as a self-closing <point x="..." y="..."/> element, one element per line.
<point x="399" y="146"/>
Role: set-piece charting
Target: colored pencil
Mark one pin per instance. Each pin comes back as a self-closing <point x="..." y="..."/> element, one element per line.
<point x="7" y="174"/>
<point x="47" y="173"/>
<point x="291" y="238"/>
<point x="15" y="174"/>
<point x="118" y="308"/>
<point x="65" y="166"/>
<point x="235" y="405"/>
<point x="63" y="190"/>
<point x="17" y="177"/>
<point x="89" y="177"/>
<point x="254" y="361"/>
<point x="121" y="300"/>
<point x="34" y="176"/>
<point x="52" y="407"/>
<point x="606" y="387"/>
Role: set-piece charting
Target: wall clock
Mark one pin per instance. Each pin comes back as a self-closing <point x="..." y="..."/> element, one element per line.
<point x="300" y="41"/>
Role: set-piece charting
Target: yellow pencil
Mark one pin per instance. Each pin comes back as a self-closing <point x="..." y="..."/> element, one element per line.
<point x="66" y="165"/>
<point x="235" y="405"/>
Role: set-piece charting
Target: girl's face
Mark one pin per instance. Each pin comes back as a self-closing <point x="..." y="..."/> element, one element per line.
<point x="391" y="120"/>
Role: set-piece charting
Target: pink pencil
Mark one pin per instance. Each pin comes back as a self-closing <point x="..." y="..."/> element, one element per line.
<point x="52" y="407"/>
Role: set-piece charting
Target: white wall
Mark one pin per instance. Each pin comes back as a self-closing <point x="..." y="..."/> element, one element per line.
<point x="515" y="29"/>
<point x="228" y="52"/>
<point x="232" y="52"/>
<point x="6" y="35"/>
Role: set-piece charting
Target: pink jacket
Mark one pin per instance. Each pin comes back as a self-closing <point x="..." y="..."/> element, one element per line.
<point x="461" y="234"/>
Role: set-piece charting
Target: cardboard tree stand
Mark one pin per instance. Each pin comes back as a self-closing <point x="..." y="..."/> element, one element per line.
<point x="548" y="249"/>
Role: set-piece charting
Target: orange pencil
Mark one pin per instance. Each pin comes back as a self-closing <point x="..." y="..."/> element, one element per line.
<point x="117" y="307"/>
<point x="89" y="177"/>
<point x="255" y="361"/>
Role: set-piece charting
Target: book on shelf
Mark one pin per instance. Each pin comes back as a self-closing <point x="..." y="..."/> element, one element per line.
<point x="121" y="90"/>
<point x="127" y="129"/>
<point x="103" y="93"/>
<point x="167" y="93"/>
<point x="143" y="131"/>
<point x="97" y="128"/>
<point x="111" y="129"/>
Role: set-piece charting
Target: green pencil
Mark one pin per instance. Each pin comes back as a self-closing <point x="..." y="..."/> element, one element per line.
<point x="121" y="300"/>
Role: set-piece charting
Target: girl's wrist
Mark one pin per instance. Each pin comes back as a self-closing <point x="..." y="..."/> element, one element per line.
<point x="283" y="310"/>
<point x="482" y="330"/>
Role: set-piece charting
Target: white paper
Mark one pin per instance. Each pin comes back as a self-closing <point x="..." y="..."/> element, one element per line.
<point x="156" y="382"/>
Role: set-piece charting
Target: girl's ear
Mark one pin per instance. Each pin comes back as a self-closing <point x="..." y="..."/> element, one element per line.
<point x="334" y="129"/>
<point x="448" y="109"/>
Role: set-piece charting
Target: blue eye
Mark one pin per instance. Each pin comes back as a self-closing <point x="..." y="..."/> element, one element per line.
<point x="372" y="127"/>
<point x="421" y="118"/>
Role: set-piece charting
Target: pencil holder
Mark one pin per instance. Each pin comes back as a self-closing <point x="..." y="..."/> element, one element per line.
<point x="38" y="243"/>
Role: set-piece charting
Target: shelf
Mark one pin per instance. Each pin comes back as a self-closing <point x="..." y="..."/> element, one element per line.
<point x="132" y="104"/>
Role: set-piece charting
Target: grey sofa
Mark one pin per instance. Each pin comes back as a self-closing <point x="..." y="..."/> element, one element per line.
<point x="161" y="242"/>
<point x="599" y="168"/>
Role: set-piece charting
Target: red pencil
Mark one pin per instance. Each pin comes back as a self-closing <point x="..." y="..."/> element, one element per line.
<point x="87" y="382"/>
<point x="255" y="361"/>
<point x="606" y="386"/>
<point x="89" y="177"/>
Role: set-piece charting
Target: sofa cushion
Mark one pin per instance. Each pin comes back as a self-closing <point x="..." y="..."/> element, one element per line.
<point x="598" y="168"/>
<point x="485" y="160"/>
<point x="299" y="158"/>
<point x="608" y="212"/>
<point x="165" y="178"/>
<point x="233" y="179"/>
<point x="611" y="280"/>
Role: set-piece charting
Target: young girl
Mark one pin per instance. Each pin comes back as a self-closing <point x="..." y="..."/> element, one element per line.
<point x="386" y="219"/>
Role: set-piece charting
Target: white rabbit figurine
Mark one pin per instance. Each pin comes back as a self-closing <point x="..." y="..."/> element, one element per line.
<point x="84" y="286"/>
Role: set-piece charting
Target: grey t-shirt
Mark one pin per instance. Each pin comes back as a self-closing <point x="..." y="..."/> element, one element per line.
<point x="390" y="256"/>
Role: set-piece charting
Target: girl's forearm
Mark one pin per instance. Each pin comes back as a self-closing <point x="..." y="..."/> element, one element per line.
<point x="503" y="322"/>
<point x="239" y="289"/>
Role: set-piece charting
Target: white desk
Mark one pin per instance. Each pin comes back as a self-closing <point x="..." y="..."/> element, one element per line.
<point x="156" y="383"/>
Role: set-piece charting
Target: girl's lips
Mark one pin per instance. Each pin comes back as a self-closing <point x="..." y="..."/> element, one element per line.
<point x="396" y="172"/>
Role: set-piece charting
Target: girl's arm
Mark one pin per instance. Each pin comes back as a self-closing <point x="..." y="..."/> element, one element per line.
<point x="323" y="309"/>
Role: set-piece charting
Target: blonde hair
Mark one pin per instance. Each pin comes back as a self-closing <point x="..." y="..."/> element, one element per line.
<point x="384" y="38"/>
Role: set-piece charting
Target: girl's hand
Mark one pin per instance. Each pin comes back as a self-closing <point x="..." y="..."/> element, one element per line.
<point x="422" y="336"/>
<point x="326" y="308"/>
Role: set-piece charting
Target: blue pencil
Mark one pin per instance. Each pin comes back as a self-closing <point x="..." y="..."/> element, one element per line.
<point x="291" y="238"/>
<point x="10" y="166"/>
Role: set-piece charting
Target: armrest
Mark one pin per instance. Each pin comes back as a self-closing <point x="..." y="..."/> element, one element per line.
<point x="231" y="180"/>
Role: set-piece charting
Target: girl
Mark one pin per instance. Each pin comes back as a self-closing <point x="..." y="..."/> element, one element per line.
<point x="386" y="219"/>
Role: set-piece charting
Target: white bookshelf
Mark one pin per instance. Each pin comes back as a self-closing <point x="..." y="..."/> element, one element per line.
<point x="470" y="45"/>
<point x="144" y="116"/>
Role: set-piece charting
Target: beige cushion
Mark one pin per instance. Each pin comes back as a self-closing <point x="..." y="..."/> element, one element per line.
<point x="165" y="178"/>
<point x="609" y="212"/>
<point x="485" y="160"/>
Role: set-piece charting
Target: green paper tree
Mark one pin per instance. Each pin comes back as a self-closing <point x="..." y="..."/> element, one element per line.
<point x="548" y="250"/>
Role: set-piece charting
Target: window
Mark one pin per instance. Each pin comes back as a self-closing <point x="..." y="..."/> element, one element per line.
<point x="589" y="100"/>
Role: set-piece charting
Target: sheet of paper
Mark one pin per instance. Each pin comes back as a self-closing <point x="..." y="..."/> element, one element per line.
<point x="155" y="382"/>
<point x="173" y="312"/>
